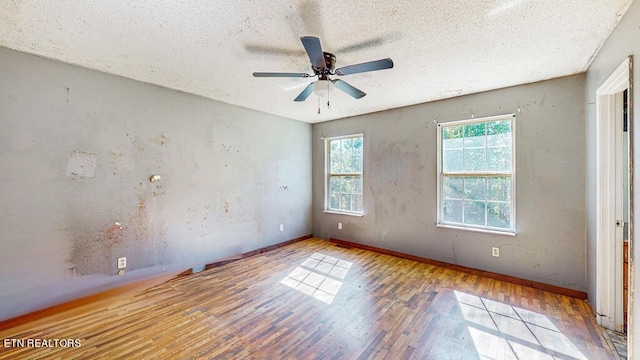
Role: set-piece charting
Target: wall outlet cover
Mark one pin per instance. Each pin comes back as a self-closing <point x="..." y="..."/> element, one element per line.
<point x="495" y="252"/>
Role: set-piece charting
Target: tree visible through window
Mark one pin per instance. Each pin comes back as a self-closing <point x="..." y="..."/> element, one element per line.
<point x="344" y="174"/>
<point x="476" y="173"/>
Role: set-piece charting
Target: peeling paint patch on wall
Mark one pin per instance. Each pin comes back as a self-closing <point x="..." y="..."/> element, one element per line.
<point x="82" y="164"/>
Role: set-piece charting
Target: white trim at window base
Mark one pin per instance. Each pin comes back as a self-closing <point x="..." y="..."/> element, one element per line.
<point x="349" y="213"/>
<point x="496" y="231"/>
<point x="511" y="231"/>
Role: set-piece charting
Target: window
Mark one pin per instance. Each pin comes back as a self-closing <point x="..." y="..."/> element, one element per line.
<point x="344" y="174"/>
<point x="476" y="174"/>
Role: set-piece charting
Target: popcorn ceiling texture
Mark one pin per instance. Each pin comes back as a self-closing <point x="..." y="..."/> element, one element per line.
<point x="441" y="49"/>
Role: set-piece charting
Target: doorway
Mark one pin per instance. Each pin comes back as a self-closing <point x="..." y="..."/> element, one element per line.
<point x="614" y="208"/>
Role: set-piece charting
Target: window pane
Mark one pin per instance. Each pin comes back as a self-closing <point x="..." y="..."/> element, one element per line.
<point x="354" y="203"/>
<point x="356" y="164"/>
<point x="450" y="144"/>
<point x="358" y="203"/>
<point x="499" y="189"/>
<point x="499" y="140"/>
<point x="345" y="184"/>
<point x="498" y="127"/>
<point x="452" y="137"/>
<point x="357" y="185"/>
<point x="474" y="212"/>
<point x="474" y="160"/>
<point x="346" y="164"/>
<point x="345" y="202"/>
<point x="499" y="158"/>
<point x="352" y="164"/>
<point x="335" y="201"/>
<point x="336" y="166"/>
<point x="475" y="188"/>
<point x="357" y="145"/>
<point x="498" y="215"/>
<point x="335" y="147"/>
<point x="452" y="160"/>
<point x="452" y="188"/>
<point x="452" y="211"/>
<point x="452" y="132"/>
<point x="474" y="135"/>
<point x="334" y="184"/>
<point x="347" y="146"/>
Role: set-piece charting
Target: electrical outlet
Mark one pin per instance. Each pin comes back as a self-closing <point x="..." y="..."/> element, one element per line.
<point x="122" y="263"/>
<point x="339" y="226"/>
<point x="281" y="227"/>
<point x="495" y="252"/>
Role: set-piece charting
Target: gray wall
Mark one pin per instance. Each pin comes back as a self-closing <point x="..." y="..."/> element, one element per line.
<point x="400" y="183"/>
<point x="77" y="149"/>
<point x="620" y="44"/>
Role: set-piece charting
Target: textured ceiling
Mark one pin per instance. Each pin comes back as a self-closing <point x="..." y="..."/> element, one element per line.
<point x="441" y="49"/>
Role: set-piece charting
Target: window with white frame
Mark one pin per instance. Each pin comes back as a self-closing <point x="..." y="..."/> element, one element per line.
<point x="344" y="174"/>
<point x="476" y="174"/>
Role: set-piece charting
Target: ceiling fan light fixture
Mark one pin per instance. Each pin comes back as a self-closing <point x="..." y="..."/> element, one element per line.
<point x="323" y="65"/>
<point x="321" y="88"/>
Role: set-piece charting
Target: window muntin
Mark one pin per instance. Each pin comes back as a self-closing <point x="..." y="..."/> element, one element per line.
<point x="344" y="174"/>
<point x="476" y="163"/>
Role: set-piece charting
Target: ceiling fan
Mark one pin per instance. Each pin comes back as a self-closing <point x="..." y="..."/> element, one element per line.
<point x="323" y="65"/>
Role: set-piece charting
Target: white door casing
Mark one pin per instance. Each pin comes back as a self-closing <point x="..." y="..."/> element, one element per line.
<point x="609" y="190"/>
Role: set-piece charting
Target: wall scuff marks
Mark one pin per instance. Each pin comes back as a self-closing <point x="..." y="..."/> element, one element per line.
<point x="82" y="164"/>
<point x="93" y="251"/>
<point x="73" y="170"/>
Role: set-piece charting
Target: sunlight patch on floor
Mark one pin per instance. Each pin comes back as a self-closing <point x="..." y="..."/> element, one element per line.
<point x="500" y="331"/>
<point x="318" y="276"/>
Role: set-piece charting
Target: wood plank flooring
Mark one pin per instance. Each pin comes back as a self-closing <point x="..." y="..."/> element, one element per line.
<point x="315" y="300"/>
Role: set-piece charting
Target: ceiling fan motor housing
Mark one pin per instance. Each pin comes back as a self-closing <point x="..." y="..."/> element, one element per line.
<point x="330" y="61"/>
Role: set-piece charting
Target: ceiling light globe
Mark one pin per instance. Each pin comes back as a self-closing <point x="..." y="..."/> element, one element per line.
<point x="321" y="88"/>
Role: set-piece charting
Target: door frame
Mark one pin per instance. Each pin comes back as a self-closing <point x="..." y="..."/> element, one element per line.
<point x="609" y="260"/>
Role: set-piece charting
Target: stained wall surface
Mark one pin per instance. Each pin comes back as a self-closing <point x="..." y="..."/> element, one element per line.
<point x="77" y="151"/>
<point x="400" y="183"/>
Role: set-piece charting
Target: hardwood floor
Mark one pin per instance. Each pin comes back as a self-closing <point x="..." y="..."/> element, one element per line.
<point x="312" y="300"/>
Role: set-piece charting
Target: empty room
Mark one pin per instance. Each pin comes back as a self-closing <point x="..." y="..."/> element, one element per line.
<point x="318" y="180"/>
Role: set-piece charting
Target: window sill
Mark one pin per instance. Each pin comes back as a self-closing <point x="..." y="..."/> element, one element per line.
<point x="486" y="231"/>
<point x="342" y="213"/>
